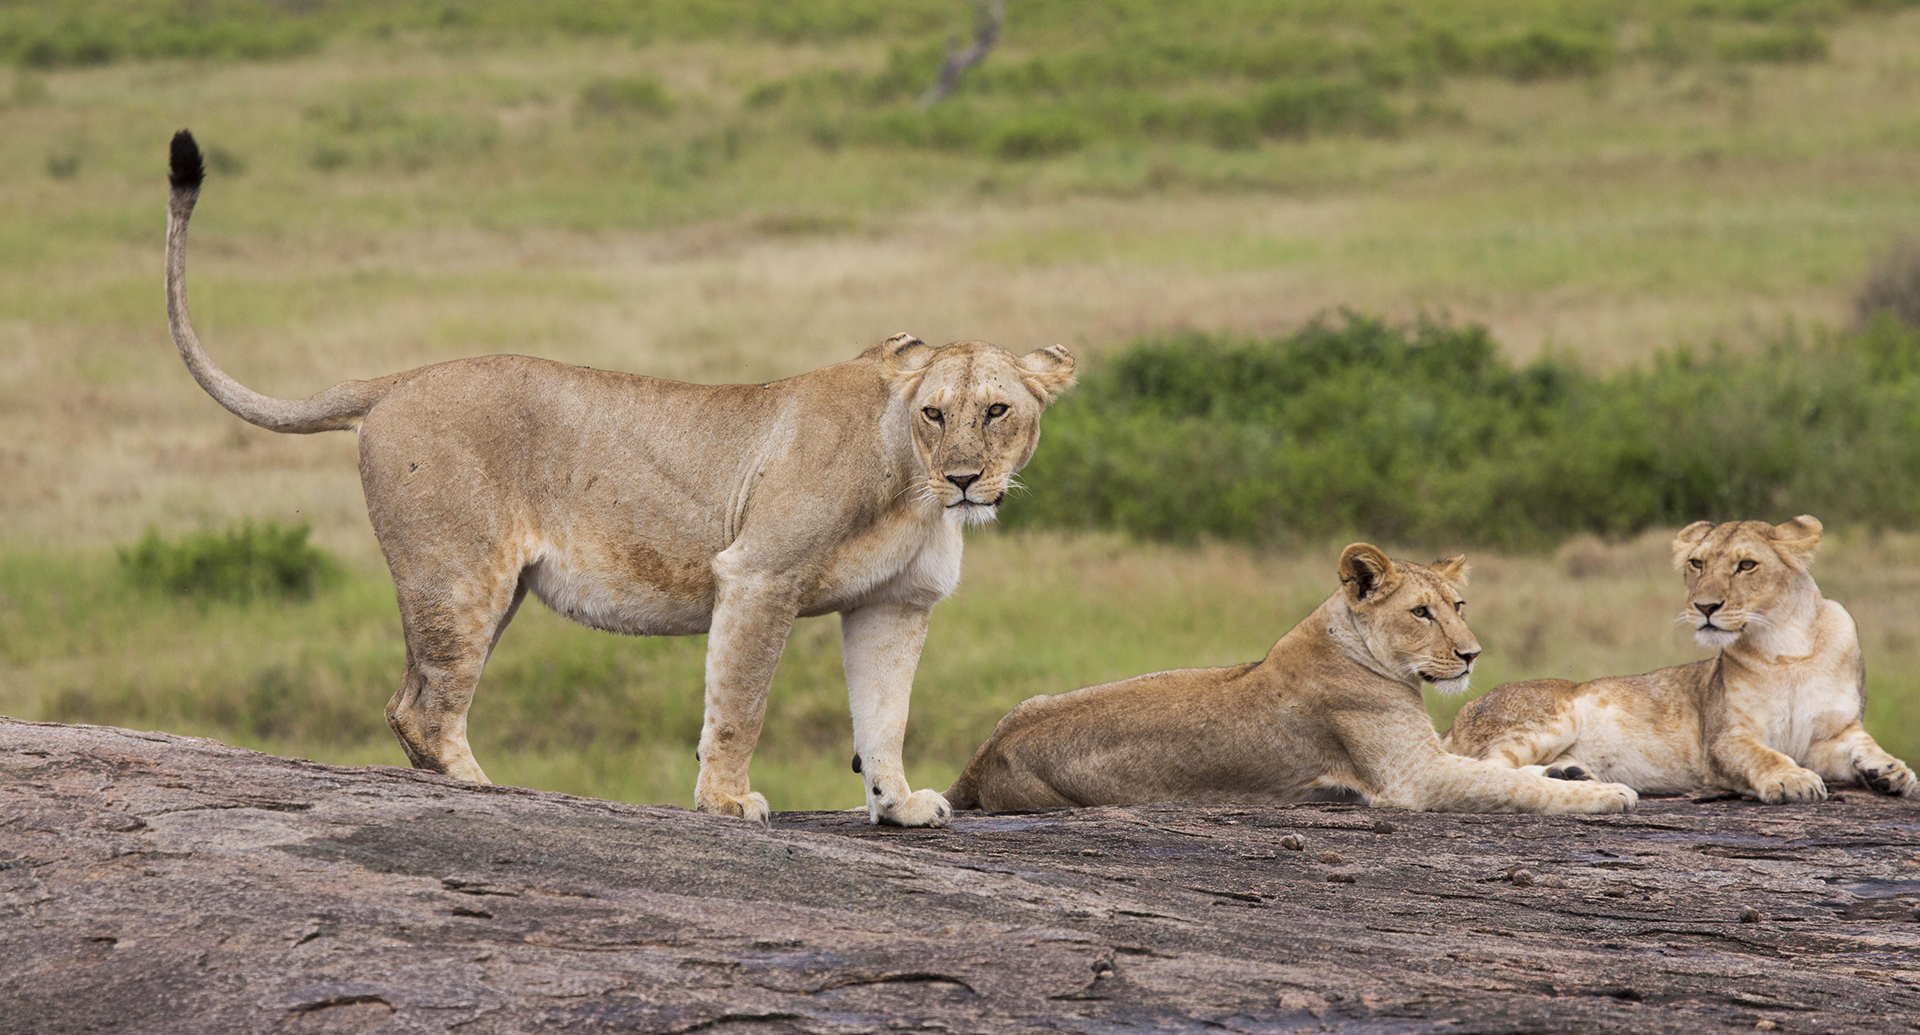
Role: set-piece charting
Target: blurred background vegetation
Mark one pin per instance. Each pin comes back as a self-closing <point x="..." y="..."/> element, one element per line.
<point x="1540" y="280"/>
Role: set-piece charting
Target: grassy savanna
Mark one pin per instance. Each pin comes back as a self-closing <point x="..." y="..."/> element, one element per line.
<point x="741" y="191"/>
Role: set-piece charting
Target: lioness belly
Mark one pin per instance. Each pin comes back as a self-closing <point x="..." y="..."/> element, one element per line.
<point x="645" y="599"/>
<point x="1650" y="750"/>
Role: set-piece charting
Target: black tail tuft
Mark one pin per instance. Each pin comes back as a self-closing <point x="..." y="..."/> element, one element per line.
<point x="185" y="169"/>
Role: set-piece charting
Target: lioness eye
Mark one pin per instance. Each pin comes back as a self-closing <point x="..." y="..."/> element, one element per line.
<point x="1694" y="563"/>
<point x="1748" y="565"/>
<point x="1422" y="612"/>
<point x="1459" y="607"/>
<point x="997" y="410"/>
<point x="931" y="414"/>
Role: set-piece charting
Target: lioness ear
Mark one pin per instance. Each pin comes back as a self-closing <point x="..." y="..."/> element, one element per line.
<point x="1797" y="539"/>
<point x="1689" y="538"/>
<point x="1366" y="572"/>
<point x="1047" y="372"/>
<point x="903" y="362"/>
<point x="1453" y="569"/>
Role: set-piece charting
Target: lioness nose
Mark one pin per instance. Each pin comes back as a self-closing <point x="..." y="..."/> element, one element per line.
<point x="1466" y="655"/>
<point x="1706" y="610"/>
<point x="961" y="481"/>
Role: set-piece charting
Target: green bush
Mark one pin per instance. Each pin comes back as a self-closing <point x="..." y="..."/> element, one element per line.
<point x="1787" y="43"/>
<point x="625" y="95"/>
<point x="241" y="563"/>
<point x="1301" y="108"/>
<point x="1892" y="288"/>
<point x="1430" y="434"/>
<point x="1039" y="135"/>
<point x="1546" y="54"/>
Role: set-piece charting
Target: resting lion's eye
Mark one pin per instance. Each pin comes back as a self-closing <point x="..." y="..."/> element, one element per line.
<point x="931" y="414"/>
<point x="1694" y="563"/>
<point x="997" y="410"/>
<point x="1749" y="565"/>
<point x="1422" y="612"/>
<point x="1459" y="607"/>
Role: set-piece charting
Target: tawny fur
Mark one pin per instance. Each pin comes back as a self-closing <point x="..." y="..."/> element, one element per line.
<point x="1333" y="710"/>
<point x="656" y="508"/>
<point x="1776" y="714"/>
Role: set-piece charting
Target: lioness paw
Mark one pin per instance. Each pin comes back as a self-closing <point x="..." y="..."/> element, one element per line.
<point x="1611" y="797"/>
<point x="1792" y="785"/>
<point x="919" y="809"/>
<point x="1890" y="776"/>
<point x="1568" y="772"/>
<point x="751" y="807"/>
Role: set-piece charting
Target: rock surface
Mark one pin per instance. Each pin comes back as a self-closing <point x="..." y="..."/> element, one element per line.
<point x="152" y="883"/>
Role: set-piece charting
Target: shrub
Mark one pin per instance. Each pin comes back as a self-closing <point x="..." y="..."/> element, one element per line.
<point x="1303" y="107"/>
<point x="1430" y="434"/>
<point x="1892" y="288"/>
<point x="1787" y="43"/>
<point x="1038" y="135"/>
<point x="241" y="563"/>
<point x="628" y="95"/>
<point x="1546" y="54"/>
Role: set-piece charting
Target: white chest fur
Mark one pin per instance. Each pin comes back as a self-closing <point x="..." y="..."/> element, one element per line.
<point x="904" y="558"/>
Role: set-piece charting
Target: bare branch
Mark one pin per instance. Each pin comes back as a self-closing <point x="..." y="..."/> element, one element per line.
<point x="986" y="32"/>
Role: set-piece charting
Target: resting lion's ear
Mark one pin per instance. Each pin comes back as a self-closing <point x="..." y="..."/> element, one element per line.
<point x="1689" y="538"/>
<point x="1047" y="372"/>
<point x="903" y="362"/>
<point x="1453" y="569"/>
<point x="1365" y="571"/>
<point x="1797" y="539"/>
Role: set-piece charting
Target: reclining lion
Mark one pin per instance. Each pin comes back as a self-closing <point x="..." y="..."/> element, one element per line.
<point x="1334" y="707"/>
<point x="1776" y="714"/>
<point x="655" y="508"/>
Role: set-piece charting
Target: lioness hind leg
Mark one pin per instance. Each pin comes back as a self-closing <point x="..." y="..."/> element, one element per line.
<point x="449" y="637"/>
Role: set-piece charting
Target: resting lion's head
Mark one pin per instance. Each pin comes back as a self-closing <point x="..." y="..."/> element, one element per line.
<point x="1739" y="571"/>
<point x="1411" y="616"/>
<point x="974" y="410"/>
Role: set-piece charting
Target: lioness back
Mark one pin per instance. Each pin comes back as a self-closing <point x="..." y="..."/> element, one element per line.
<point x="1115" y="743"/>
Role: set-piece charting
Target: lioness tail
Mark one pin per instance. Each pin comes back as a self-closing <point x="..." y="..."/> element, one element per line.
<point x="965" y="792"/>
<point x="337" y="409"/>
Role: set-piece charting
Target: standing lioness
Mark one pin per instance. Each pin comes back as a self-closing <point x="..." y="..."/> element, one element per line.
<point x="656" y="508"/>
<point x="1775" y="714"/>
<point x="1334" y="707"/>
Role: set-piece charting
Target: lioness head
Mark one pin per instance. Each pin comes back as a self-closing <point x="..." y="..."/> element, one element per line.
<point x="974" y="409"/>
<point x="1739" y="571"/>
<point x="1411" y="616"/>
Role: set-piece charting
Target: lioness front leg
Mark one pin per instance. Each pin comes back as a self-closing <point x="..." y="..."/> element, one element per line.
<point x="1743" y="763"/>
<point x="751" y="618"/>
<point x="1404" y="761"/>
<point x="881" y="648"/>
<point x="1854" y="755"/>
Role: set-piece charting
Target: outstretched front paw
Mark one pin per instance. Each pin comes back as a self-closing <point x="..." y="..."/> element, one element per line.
<point x="919" y="809"/>
<point x="1610" y="797"/>
<point x="1889" y="776"/>
<point x="751" y="806"/>
<point x="1792" y="785"/>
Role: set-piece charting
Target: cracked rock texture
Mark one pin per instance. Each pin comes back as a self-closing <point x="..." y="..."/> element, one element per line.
<point x="152" y="883"/>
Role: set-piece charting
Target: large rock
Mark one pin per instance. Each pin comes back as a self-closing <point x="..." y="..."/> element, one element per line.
<point x="152" y="883"/>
